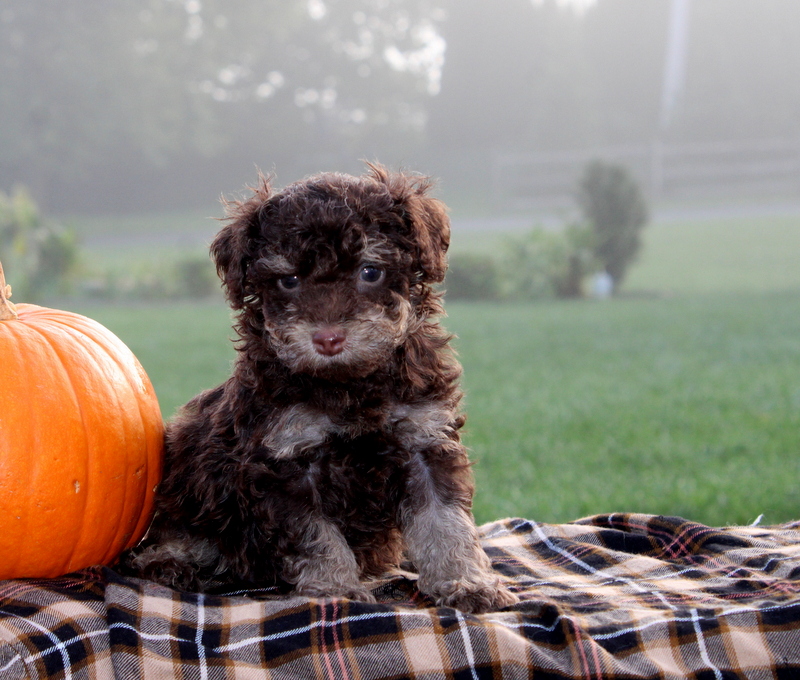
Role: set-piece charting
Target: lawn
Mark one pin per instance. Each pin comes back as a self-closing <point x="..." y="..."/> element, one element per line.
<point x="722" y="255"/>
<point x="680" y="397"/>
<point x="681" y="406"/>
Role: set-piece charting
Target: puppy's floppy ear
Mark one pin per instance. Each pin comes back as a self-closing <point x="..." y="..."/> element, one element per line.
<point x="425" y="217"/>
<point x="234" y="247"/>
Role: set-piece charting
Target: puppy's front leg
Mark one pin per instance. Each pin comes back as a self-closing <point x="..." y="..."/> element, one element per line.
<point x="325" y="566"/>
<point x="442" y="541"/>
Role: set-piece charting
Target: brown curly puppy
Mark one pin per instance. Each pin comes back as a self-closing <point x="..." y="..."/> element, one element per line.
<point x="334" y="445"/>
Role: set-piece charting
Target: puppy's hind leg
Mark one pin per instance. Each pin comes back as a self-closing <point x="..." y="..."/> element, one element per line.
<point x="184" y="562"/>
<point x="325" y="565"/>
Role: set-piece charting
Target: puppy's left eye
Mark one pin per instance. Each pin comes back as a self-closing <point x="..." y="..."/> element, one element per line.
<point x="289" y="282"/>
<point x="370" y="274"/>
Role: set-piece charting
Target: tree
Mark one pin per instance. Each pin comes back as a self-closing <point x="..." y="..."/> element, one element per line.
<point x="614" y="207"/>
<point x="107" y="104"/>
<point x="89" y="91"/>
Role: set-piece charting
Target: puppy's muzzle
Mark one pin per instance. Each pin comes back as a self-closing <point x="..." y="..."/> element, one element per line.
<point x="329" y="341"/>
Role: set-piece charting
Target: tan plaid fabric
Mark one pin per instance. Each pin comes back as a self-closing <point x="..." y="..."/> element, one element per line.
<point x="615" y="596"/>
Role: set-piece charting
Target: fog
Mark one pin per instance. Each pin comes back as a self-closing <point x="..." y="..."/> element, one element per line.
<point x="135" y="106"/>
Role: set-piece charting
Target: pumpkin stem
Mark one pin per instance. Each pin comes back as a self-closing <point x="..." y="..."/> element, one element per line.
<point x="7" y="309"/>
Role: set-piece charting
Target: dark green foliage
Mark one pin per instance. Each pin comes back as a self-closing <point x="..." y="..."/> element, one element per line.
<point x="549" y="263"/>
<point x="196" y="277"/>
<point x="472" y="277"/>
<point x="615" y="209"/>
<point x="39" y="255"/>
<point x="541" y="264"/>
<point x="190" y="277"/>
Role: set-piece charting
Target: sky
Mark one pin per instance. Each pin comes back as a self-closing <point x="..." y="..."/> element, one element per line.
<point x="578" y="5"/>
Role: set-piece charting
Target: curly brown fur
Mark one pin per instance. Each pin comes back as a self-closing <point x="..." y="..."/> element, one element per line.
<point x="333" y="447"/>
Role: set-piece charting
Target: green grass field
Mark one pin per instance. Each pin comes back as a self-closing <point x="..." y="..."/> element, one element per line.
<point x="681" y="397"/>
<point x="720" y="256"/>
<point x="682" y="406"/>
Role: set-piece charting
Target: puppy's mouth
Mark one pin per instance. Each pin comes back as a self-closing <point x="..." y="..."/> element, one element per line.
<point x="332" y="353"/>
<point x="340" y="350"/>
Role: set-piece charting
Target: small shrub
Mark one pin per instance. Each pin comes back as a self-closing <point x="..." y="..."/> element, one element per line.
<point x="41" y="255"/>
<point x="472" y="277"/>
<point x="192" y="277"/>
<point x="549" y="263"/>
<point x="195" y="278"/>
<point x="615" y="209"/>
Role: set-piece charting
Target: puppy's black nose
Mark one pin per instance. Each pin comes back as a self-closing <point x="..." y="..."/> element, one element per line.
<point x="329" y="341"/>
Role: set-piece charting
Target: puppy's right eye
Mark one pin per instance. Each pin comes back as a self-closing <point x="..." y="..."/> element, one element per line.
<point x="370" y="274"/>
<point x="289" y="282"/>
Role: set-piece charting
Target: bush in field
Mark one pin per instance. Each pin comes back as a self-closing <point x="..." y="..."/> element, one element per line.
<point x="548" y="263"/>
<point x="40" y="256"/>
<point x="191" y="277"/>
<point x="472" y="277"/>
<point x="615" y="210"/>
<point x="196" y="277"/>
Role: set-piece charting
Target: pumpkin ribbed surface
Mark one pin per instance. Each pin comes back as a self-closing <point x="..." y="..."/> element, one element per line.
<point x="81" y="444"/>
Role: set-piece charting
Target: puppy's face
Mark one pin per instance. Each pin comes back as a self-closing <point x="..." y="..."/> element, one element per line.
<point x="331" y="269"/>
<point x="331" y="310"/>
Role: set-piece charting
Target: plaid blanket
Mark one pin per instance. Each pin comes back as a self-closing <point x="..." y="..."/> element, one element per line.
<point x="614" y="596"/>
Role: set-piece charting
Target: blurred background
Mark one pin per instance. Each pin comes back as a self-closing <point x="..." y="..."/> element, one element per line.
<point x="153" y="104"/>
<point x="624" y="185"/>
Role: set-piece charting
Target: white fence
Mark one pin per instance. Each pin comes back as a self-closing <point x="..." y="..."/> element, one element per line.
<point x="756" y="168"/>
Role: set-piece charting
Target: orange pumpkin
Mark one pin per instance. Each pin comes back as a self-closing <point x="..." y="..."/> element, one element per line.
<point x="81" y="442"/>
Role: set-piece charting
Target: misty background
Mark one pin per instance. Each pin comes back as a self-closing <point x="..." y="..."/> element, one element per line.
<point x="655" y="142"/>
<point x="165" y="104"/>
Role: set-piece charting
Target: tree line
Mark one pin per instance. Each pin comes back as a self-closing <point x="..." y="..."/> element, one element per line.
<point x="133" y="104"/>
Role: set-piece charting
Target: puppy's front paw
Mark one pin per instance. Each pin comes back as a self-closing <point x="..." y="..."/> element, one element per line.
<point x="162" y="567"/>
<point x="473" y="597"/>
<point x="355" y="591"/>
